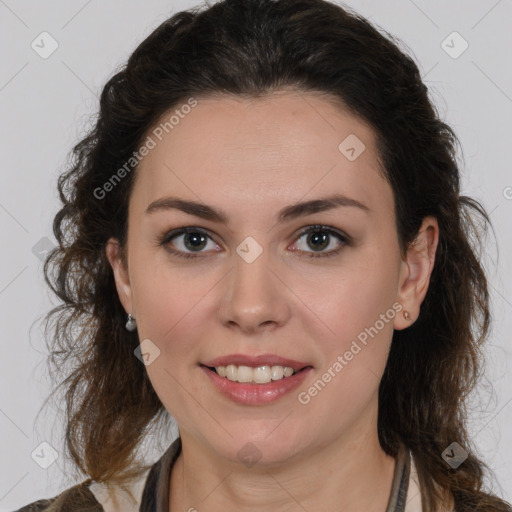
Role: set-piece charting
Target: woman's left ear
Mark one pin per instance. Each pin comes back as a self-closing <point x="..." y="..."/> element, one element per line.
<point x="415" y="272"/>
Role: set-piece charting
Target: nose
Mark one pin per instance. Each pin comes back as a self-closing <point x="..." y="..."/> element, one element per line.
<point x="255" y="296"/>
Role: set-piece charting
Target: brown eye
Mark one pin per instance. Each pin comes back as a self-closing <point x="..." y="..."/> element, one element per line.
<point x="318" y="238"/>
<point x="185" y="242"/>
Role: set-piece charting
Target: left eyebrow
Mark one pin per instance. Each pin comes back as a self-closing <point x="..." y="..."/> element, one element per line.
<point x="288" y="213"/>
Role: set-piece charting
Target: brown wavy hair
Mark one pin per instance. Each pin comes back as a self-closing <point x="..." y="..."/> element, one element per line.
<point x="250" y="48"/>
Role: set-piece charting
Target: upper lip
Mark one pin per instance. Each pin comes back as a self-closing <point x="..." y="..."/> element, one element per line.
<point x="255" y="361"/>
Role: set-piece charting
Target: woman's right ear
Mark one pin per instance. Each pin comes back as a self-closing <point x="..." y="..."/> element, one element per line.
<point x="114" y="255"/>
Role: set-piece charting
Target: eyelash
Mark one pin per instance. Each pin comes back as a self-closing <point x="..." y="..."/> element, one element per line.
<point x="344" y="239"/>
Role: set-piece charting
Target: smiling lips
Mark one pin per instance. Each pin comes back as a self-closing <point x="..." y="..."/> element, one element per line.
<point x="255" y="380"/>
<point x="259" y="375"/>
<point x="255" y="361"/>
<point x="257" y="369"/>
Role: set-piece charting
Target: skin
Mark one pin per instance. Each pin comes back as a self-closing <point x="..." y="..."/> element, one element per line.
<point x="251" y="158"/>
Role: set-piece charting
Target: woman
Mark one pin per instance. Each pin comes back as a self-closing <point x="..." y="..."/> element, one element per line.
<point x="263" y="237"/>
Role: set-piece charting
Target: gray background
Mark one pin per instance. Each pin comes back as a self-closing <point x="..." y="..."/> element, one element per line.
<point x="47" y="104"/>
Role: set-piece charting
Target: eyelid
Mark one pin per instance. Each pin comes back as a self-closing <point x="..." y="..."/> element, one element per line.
<point x="323" y="227"/>
<point x="343" y="238"/>
<point x="174" y="233"/>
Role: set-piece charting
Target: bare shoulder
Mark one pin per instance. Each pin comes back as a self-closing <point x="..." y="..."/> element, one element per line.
<point x="78" y="497"/>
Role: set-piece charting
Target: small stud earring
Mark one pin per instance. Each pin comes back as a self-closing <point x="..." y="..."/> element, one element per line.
<point x="131" y="323"/>
<point x="406" y="315"/>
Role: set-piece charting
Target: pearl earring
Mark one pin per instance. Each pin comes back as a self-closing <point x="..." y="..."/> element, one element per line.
<point x="406" y="315"/>
<point x="131" y="323"/>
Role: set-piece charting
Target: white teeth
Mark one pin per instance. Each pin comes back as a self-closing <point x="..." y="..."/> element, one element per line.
<point x="231" y="372"/>
<point x="277" y="372"/>
<point x="288" y="372"/>
<point x="260" y="375"/>
<point x="244" y="374"/>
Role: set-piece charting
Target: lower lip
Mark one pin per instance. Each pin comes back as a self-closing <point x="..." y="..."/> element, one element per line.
<point x="256" y="394"/>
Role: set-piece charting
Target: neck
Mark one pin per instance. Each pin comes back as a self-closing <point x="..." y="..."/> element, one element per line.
<point x="349" y="474"/>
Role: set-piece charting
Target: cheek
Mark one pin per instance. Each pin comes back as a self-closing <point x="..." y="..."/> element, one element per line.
<point x="356" y="303"/>
<point x="359" y="314"/>
<point x="171" y="304"/>
<point x="352" y="297"/>
<point x="173" y="308"/>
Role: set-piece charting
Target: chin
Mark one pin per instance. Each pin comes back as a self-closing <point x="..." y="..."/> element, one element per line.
<point x="260" y="448"/>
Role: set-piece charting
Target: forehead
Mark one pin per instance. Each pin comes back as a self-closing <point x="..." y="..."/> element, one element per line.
<point x="261" y="152"/>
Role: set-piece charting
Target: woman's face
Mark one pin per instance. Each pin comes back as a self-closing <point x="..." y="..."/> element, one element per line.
<point x="249" y="284"/>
